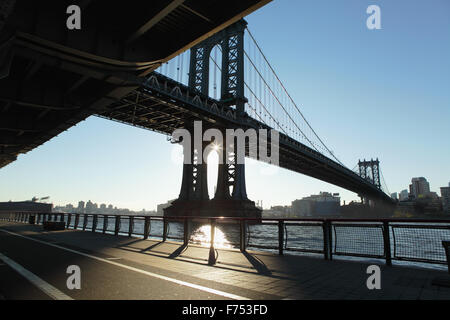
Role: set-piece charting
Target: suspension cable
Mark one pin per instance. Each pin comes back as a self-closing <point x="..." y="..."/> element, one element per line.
<point x="287" y="93"/>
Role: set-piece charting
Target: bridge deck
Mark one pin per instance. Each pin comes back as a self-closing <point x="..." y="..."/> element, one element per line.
<point x="131" y="268"/>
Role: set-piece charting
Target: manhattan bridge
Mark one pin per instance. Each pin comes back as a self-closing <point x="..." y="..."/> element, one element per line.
<point x="217" y="74"/>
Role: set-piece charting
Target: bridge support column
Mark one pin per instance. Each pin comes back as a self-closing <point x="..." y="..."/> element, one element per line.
<point x="194" y="199"/>
<point x="232" y="174"/>
<point x="194" y="195"/>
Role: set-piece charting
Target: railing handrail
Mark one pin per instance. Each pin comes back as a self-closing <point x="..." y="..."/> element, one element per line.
<point x="306" y="219"/>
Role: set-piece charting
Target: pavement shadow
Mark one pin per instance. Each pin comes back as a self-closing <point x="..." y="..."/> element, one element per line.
<point x="178" y="251"/>
<point x="153" y="246"/>
<point x="257" y="264"/>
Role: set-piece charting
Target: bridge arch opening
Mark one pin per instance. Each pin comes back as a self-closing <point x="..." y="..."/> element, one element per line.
<point x="215" y="72"/>
<point x="213" y="170"/>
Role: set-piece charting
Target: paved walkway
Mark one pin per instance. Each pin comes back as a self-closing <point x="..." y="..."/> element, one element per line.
<point x="125" y="264"/>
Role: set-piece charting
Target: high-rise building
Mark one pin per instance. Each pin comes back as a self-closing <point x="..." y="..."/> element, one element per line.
<point x="404" y="195"/>
<point x="394" y="196"/>
<point x="445" y="195"/>
<point x="419" y="187"/>
<point x="90" y="208"/>
<point x="80" y="208"/>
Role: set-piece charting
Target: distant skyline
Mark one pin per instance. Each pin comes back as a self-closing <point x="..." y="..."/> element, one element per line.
<point x="367" y="93"/>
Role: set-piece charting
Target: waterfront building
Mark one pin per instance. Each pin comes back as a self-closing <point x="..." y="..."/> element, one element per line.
<point x="419" y="187"/>
<point x="445" y="197"/>
<point x="404" y="195"/>
<point x="323" y="204"/>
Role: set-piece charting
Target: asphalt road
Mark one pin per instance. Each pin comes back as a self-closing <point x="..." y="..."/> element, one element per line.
<point x="99" y="279"/>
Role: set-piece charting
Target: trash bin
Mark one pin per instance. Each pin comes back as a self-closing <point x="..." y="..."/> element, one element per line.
<point x="32" y="219"/>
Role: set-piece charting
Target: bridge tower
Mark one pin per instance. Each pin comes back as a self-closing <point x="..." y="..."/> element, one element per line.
<point x="370" y="170"/>
<point x="194" y="199"/>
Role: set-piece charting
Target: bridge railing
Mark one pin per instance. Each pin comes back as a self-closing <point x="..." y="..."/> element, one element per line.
<point x="387" y="239"/>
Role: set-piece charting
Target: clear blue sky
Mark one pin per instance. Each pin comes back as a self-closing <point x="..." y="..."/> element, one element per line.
<point x="380" y="93"/>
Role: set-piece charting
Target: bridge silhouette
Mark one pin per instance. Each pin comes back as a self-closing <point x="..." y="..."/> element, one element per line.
<point x="183" y="90"/>
<point x="174" y="98"/>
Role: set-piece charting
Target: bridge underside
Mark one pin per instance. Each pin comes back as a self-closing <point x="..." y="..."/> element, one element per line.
<point x="52" y="78"/>
<point x="159" y="107"/>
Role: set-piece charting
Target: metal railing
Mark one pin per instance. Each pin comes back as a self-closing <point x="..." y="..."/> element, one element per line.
<point x="388" y="239"/>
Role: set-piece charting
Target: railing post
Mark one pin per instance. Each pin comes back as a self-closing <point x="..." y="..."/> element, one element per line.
<point x="105" y="223"/>
<point x="146" y="228"/>
<point x="94" y="222"/>
<point x="186" y="232"/>
<point x="130" y="226"/>
<point x="280" y="237"/>
<point x="387" y="243"/>
<point x="69" y="219"/>
<point x="117" y="226"/>
<point x="85" y="221"/>
<point x="242" y="235"/>
<point x="446" y="245"/>
<point x="330" y="239"/>
<point x="212" y="251"/>
<point x="327" y="240"/>
<point x="165" y="222"/>
<point x="77" y="220"/>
